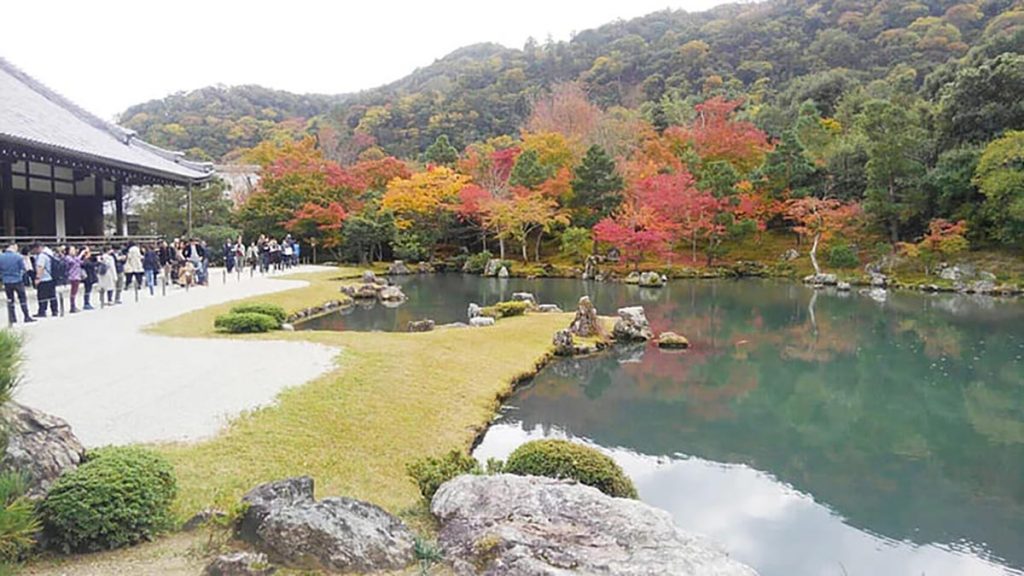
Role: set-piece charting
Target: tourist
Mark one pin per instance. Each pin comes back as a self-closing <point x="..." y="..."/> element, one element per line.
<point x="12" y="273"/>
<point x="229" y="256"/>
<point x="46" y="288"/>
<point x="195" y="255"/>
<point x="106" y="272"/>
<point x="133" y="268"/>
<point x="75" y="275"/>
<point x="119" y="260"/>
<point x="151" y="265"/>
<point x="89" y="263"/>
<point x="287" y="252"/>
<point x="264" y="248"/>
<point x="275" y="254"/>
<point x="295" y="252"/>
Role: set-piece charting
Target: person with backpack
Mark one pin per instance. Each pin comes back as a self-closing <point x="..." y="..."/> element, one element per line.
<point x="133" y="268"/>
<point x="151" y="265"/>
<point x="46" y="286"/>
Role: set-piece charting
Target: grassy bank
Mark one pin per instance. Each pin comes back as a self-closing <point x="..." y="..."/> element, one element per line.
<point x="394" y="397"/>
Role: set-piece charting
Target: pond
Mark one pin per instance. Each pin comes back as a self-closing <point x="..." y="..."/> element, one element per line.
<point x="807" y="434"/>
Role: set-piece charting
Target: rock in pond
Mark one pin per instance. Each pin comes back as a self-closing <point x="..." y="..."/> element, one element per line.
<point x="843" y="286"/>
<point x="672" y="341"/>
<point x="491" y="269"/>
<point x="425" y="268"/>
<point x="369" y="277"/>
<point x="480" y="321"/>
<point x="398" y="268"/>
<point x="240" y="564"/>
<point x="425" y="325"/>
<point x="503" y="272"/>
<point x="632" y="325"/>
<point x="525" y="297"/>
<point x="391" y="294"/>
<point x="505" y="525"/>
<point x="590" y="270"/>
<point x="821" y="279"/>
<point x="334" y="534"/>
<point x="652" y="280"/>
<point x="586" y="323"/>
<point x="39" y="445"/>
<point x="632" y="278"/>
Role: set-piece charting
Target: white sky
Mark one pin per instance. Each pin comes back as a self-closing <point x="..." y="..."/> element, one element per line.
<point x="109" y="54"/>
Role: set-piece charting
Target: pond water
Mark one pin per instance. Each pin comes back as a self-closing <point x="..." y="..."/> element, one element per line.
<point x="807" y="434"/>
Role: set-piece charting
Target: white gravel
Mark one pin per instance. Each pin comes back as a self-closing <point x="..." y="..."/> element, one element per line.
<point x="116" y="385"/>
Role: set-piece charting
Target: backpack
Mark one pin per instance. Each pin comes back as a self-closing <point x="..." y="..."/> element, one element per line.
<point x="101" y="268"/>
<point x="58" y="270"/>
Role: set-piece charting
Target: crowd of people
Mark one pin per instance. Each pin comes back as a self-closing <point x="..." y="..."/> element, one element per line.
<point x="108" y="271"/>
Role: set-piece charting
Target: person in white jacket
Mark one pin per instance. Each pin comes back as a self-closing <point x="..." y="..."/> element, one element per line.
<point x="106" y="272"/>
<point x="133" y="268"/>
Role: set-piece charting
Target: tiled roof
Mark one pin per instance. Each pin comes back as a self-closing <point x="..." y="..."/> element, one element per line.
<point x="34" y="116"/>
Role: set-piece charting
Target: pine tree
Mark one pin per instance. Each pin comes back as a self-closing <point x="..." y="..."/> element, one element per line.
<point x="441" y="152"/>
<point x="597" y="188"/>
<point x="528" y="171"/>
<point x="788" y="169"/>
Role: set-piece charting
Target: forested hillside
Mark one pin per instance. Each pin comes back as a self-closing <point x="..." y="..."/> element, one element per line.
<point x="777" y="54"/>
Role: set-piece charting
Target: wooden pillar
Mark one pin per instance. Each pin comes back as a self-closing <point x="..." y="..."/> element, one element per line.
<point x="97" y="215"/>
<point x="189" y="228"/>
<point x="119" y="209"/>
<point x="7" y="197"/>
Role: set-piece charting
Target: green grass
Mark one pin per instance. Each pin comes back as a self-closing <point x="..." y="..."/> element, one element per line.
<point x="393" y="398"/>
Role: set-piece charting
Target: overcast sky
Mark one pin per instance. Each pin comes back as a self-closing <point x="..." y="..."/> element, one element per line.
<point x="107" y="55"/>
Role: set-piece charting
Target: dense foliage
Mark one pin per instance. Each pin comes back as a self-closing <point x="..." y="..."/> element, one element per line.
<point x="501" y="310"/>
<point x="245" y="323"/>
<point x="273" y="310"/>
<point x="430" y="472"/>
<point x="10" y="363"/>
<point x="563" y="459"/>
<point x="19" y="523"/>
<point x="673" y="134"/>
<point x="120" y="496"/>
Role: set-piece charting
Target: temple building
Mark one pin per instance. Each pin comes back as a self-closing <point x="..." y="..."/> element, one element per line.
<point x="59" y="165"/>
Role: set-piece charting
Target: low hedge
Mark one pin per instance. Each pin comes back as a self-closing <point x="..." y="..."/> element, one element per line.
<point x="505" y="309"/>
<point x="562" y="459"/>
<point x="245" y="323"/>
<point x="120" y="496"/>
<point x="430" y="472"/>
<point x="272" y="310"/>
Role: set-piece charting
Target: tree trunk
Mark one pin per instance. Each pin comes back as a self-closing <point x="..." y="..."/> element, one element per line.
<point x="536" y="247"/>
<point x="525" y="242"/>
<point x="483" y="238"/>
<point x="814" y="254"/>
<point x="501" y="248"/>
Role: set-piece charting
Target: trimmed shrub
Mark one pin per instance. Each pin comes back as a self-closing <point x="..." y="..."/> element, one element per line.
<point x="18" y="521"/>
<point x="842" y="256"/>
<point x="430" y="472"/>
<point x="272" y="310"/>
<point x="245" y="323"/>
<point x="120" y="496"/>
<point x="505" y="309"/>
<point x="562" y="459"/>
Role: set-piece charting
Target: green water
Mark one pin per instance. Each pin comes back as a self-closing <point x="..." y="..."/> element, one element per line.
<point x="808" y="435"/>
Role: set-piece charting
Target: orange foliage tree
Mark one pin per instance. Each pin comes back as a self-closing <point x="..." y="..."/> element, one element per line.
<point x="820" y="219"/>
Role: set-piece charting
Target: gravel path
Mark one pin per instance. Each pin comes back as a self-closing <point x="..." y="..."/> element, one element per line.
<point x="116" y="385"/>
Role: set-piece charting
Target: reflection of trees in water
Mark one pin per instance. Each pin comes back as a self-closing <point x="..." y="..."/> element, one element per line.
<point x="907" y="423"/>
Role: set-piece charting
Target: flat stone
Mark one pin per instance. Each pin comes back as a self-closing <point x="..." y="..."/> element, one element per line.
<point x="240" y="564"/>
<point x="480" y="321"/>
<point x="425" y="325"/>
<point x="672" y="341"/>
<point x="549" y="309"/>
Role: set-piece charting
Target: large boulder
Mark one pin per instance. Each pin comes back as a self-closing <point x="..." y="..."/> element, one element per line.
<point x="527" y="297"/>
<point x="524" y="525"/>
<point x="632" y="325"/>
<point x="492" y="267"/>
<point x="473" y="310"/>
<point x="284" y="521"/>
<point x="632" y="278"/>
<point x="590" y="270"/>
<point x="398" y="268"/>
<point x="39" y="445"/>
<point x="390" y="294"/>
<point x="369" y="277"/>
<point x="563" y="342"/>
<point x="821" y="279"/>
<point x="672" y="341"/>
<point x="503" y="272"/>
<point x="586" y="323"/>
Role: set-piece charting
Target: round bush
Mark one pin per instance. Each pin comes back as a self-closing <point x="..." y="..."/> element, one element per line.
<point x="562" y="459"/>
<point x="272" y="310"/>
<point x="842" y="256"/>
<point x="245" y="323"/>
<point x="118" y="497"/>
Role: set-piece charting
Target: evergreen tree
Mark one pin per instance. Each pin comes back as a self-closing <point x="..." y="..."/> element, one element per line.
<point x="528" y="170"/>
<point x="597" y="188"/>
<point x="788" y="169"/>
<point x="441" y="152"/>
